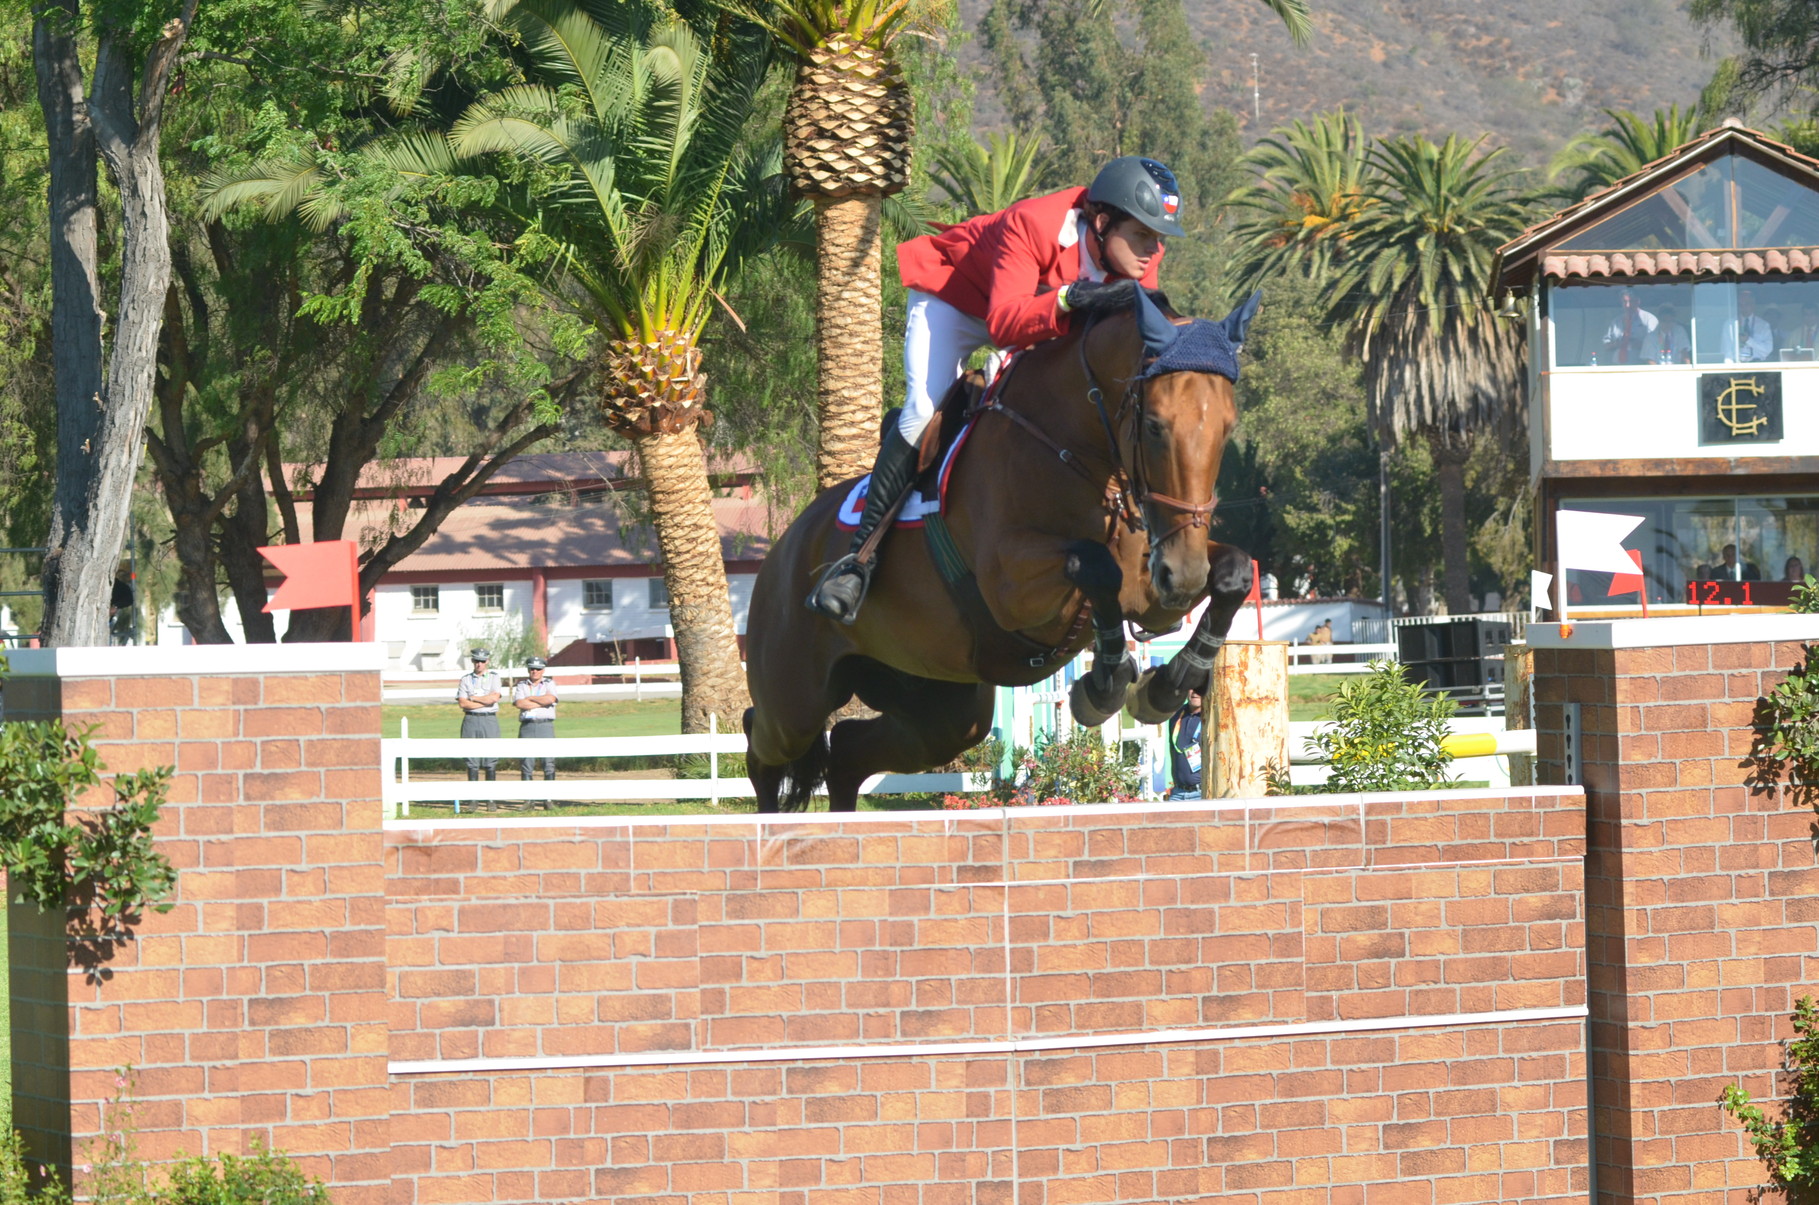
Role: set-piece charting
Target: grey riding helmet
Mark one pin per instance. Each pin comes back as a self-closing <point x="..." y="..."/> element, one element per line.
<point x="1142" y="188"/>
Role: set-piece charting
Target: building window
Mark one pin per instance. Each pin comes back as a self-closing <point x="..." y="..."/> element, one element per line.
<point x="490" y="596"/>
<point x="659" y="594"/>
<point x="597" y="596"/>
<point x="426" y="600"/>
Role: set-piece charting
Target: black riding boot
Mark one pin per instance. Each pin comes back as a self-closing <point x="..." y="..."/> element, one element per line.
<point x="842" y="588"/>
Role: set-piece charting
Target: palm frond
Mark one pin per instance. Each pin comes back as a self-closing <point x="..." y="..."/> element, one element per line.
<point x="985" y="178"/>
<point x="1295" y="16"/>
<point x="1629" y="143"/>
<point x="1309" y="184"/>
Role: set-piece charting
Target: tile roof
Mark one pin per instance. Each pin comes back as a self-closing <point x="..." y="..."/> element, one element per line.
<point x="1515" y="256"/>
<point x="533" y="472"/>
<point x="1568" y="265"/>
<point x="501" y="536"/>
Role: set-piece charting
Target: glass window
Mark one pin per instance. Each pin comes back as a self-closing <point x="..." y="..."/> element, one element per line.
<point x="490" y="597"/>
<point x="1693" y="213"/>
<point x="426" y="600"/>
<point x="597" y="596"/>
<point x="659" y="594"/>
<point x="1774" y="210"/>
<point x="1622" y="324"/>
<point x="1704" y="539"/>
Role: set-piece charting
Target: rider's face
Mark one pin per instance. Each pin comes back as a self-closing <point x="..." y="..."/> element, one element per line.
<point x="1130" y="248"/>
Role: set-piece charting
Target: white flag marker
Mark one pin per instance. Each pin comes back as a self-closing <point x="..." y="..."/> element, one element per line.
<point x="1538" y="585"/>
<point x="1590" y="540"/>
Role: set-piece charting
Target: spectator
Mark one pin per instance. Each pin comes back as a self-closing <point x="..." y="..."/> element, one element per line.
<point x="1322" y="635"/>
<point x="1185" y="729"/>
<point x="478" y="697"/>
<point x="120" y="614"/>
<point x="1806" y="337"/>
<point x="1748" y="339"/>
<point x="1729" y="569"/>
<point x="1669" y="342"/>
<point x="535" y="699"/>
<point x="1625" y="339"/>
<point x="1794" y="570"/>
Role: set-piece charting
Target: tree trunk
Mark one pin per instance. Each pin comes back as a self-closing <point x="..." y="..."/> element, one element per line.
<point x="95" y="472"/>
<point x="849" y="333"/>
<point x="694" y="569"/>
<point x="1455" y="548"/>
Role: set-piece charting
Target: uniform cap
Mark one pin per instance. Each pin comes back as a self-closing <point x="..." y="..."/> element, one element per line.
<point x="536" y="663"/>
<point x="481" y="654"/>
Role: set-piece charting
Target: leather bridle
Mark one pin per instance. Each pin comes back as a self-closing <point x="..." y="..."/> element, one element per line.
<point x="1135" y="475"/>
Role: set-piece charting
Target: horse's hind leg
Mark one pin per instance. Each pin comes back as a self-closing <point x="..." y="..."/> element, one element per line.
<point x="767" y="779"/>
<point x="1159" y="693"/>
<point x="924" y="723"/>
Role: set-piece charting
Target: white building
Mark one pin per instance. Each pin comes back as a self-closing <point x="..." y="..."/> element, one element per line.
<point x="545" y="548"/>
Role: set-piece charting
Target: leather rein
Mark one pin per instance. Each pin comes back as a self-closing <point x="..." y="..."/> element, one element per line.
<point x="1128" y="491"/>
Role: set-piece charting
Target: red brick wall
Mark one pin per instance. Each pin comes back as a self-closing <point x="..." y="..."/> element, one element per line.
<point x="1083" y="961"/>
<point x="1241" y="1003"/>
<point x="1699" y="902"/>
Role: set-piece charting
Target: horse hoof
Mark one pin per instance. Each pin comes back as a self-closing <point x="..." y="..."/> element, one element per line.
<point x="1088" y="711"/>
<point x="1143" y="704"/>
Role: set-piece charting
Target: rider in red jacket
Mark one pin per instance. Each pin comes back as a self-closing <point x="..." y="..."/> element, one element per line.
<point x="1006" y="280"/>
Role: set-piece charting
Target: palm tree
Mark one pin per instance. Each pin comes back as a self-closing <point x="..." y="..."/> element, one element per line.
<point x="846" y="147"/>
<point x="1629" y="143"/>
<point x="635" y="139"/>
<point x="1309" y="182"/>
<point x="1414" y="288"/>
<point x="984" y="178"/>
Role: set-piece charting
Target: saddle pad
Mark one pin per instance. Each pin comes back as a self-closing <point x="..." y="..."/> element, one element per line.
<point x="922" y="501"/>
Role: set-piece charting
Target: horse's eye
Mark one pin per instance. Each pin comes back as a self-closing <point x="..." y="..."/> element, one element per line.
<point x="1154" y="430"/>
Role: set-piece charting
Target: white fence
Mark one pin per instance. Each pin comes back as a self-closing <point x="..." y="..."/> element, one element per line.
<point x="399" y="790"/>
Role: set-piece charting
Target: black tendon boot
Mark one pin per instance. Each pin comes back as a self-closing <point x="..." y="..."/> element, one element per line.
<point x="842" y="588"/>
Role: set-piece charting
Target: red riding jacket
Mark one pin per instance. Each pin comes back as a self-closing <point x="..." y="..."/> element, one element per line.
<point x="1006" y="267"/>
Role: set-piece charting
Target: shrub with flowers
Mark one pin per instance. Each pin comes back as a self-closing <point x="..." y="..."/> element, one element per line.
<point x="1058" y="771"/>
<point x="1386" y="734"/>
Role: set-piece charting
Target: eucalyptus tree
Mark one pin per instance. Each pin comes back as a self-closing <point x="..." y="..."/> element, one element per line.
<point x="1307" y="184"/>
<point x="633" y="134"/>
<point x="1630" y="142"/>
<point x="104" y="324"/>
<point x="1413" y="287"/>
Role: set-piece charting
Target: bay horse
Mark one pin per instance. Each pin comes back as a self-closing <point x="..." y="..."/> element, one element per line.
<point x="1081" y="499"/>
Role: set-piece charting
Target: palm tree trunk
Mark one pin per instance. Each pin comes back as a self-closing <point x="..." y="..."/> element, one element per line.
<point x="1450" y="456"/>
<point x="849" y="332"/>
<point x="694" y="569"/>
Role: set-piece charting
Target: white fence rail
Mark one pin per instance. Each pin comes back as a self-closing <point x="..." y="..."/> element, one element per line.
<point x="399" y="790"/>
<point x="649" y="680"/>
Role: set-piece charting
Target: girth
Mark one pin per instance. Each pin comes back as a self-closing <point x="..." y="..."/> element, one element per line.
<point x="990" y="662"/>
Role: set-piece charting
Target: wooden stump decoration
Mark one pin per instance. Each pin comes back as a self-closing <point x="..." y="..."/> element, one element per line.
<point x="1249" y="706"/>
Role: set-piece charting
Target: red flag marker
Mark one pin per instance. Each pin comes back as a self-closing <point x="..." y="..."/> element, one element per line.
<point x="1627" y="583"/>
<point x="323" y="574"/>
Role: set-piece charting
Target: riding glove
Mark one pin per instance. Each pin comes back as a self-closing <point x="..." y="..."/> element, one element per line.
<point x="1089" y="297"/>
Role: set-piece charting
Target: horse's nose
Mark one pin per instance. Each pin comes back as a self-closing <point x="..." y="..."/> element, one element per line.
<point x="1165" y="579"/>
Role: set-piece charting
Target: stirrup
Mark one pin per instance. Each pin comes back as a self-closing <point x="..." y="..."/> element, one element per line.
<point x="833" y="598"/>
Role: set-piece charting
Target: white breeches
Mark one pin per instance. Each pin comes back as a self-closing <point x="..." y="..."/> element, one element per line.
<point x="937" y="342"/>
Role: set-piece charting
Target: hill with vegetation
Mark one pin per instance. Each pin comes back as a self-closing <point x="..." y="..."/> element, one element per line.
<point x="1530" y="73"/>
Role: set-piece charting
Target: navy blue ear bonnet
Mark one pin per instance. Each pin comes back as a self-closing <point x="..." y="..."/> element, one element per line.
<point x="1201" y="346"/>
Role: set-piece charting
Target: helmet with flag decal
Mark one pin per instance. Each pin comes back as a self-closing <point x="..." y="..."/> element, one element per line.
<point x="1143" y="188"/>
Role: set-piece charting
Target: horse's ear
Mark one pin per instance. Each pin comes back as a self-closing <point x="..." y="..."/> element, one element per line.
<point x="1239" y="320"/>
<point x="1158" y="332"/>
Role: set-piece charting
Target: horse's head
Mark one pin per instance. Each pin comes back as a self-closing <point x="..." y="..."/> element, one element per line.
<point x="1176" y="380"/>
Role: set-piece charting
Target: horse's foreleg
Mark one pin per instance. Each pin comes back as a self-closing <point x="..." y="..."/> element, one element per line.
<point x="1159" y="693"/>
<point x="1097" y="696"/>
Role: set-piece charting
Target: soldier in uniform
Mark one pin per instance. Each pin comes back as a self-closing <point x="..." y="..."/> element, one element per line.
<point x="478" y="697"/>
<point x="535" y="699"/>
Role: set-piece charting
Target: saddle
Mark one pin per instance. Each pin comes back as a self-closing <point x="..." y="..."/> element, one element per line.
<point x="957" y="405"/>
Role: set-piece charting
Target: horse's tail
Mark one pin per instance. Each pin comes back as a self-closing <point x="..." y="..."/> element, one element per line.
<point x="802" y="775"/>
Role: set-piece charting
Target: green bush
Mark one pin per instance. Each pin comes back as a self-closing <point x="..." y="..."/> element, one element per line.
<point x="1789" y="1148"/>
<point x="1786" y="749"/>
<point x="1076" y="768"/>
<point x="1386" y="734"/>
<point x="1805" y="598"/>
<point x="265" y="1177"/>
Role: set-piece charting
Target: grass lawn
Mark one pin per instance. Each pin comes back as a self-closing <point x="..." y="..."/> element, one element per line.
<point x="1310" y="696"/>
<point x="592" y="717"/>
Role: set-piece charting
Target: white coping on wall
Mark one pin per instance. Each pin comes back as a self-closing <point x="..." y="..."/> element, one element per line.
<point x="177" y="660"/>
<point x="1672" y="630"/>
<point x="1140" y="809"/>
<point x="911" y="1050"/>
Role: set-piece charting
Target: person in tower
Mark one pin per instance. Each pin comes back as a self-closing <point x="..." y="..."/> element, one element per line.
<point x="1006" y="280"/>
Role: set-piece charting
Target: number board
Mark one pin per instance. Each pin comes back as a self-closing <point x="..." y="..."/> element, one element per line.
<point x="1739" y="408"/>
<point x="1738" y="594"/>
